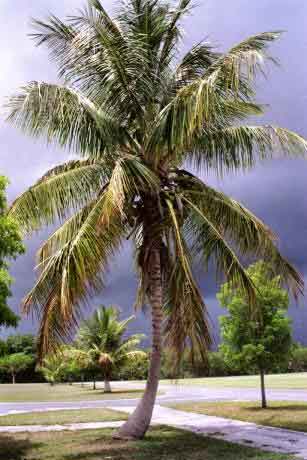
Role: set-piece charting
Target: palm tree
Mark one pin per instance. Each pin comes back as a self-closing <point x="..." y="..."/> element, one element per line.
<point x="51" y="368"/>
<point x="102" y="337"/>
<point x="138" y="114"/>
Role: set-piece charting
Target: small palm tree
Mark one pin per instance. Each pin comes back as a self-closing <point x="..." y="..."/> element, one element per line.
<point x="51" y="368"/>
<point x="139" y="115"/>
<point x="66" y="362"/>
<point x="102" y="337"/>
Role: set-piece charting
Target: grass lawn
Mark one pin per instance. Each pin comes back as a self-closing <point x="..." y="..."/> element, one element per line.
<point x="291" y="415"/>
<point x="61" y="417"/>
<point x="45" y="392"/>
<point x="277" y="381"/>
<point x="161" y="443"/>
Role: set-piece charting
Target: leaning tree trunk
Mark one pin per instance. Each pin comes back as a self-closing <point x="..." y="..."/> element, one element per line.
<point x="107" y="386"/>
<point x="139" y="421"/>
<point x="263" y="396"/>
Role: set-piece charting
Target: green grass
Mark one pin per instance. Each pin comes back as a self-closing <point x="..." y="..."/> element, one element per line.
<point x="290" y="415"/>
<point x="61" y="417"/>
<point x="161" y="443"/>
<point x="273" y="381"/>
<point x="26" y="392"/>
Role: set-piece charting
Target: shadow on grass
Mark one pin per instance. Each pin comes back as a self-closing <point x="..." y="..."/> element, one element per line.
<point x="15" y="449"/>
<point x="292" y="407"/>
<point x="159" y="441"/>
<point x="113" y="395"/>
<point x="113" y="392"/>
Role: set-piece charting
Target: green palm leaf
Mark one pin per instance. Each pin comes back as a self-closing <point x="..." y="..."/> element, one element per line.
<point x="241" y="147"/>
<point x="61" y="190"/>
<point x="208" y="241"/>
<point x="64" y="115"/>
<point x="70" y="271"/>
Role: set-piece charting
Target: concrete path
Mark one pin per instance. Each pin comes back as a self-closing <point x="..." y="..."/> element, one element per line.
<point x="169" y="394"/>
<point x="248" y="434"/>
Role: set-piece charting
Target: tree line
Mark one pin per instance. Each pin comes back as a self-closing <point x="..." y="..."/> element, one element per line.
<point x="218" y="366"/>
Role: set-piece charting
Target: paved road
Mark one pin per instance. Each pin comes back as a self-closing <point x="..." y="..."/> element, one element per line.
<point x="169" y="394"/>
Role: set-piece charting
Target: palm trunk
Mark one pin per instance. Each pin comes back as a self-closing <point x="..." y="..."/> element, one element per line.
<point x="139" y="421"/>
<point x="263" y="396"/>
<point x="13" y="378"/>
<point x="107" y="386"/>
<point x="94" y="384"/>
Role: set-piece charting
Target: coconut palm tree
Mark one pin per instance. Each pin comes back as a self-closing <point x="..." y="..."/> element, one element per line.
<point x="102" y="336"/>
<point x="51" y="368"/>
<point x="143" y="120"/>
<point x="63" y="364"/>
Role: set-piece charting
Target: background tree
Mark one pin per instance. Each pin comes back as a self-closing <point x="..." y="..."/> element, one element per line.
<point x="3" y="347"/>
<point x="135" y="369"/>
<point x="260" y="338"/>
<point x="75" y="363"/>
<point x="298" y="359"/>
<point x="15" y="363"/>
<point x="65" y="366"/>
<point x="21" y="343"/>
<point x="10" y="247"/>
<point x="102" y="336"/>
<point x="25" y="344"/>
<point x="51" y="368"/>
<point x="136" y="113"/>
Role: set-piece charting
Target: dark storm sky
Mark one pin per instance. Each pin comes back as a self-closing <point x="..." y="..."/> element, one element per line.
<point x="275" y="191"/>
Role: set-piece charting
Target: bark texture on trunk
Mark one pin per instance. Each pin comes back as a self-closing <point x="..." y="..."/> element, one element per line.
<point x="139" y="421"/>
<point x="107" y="386"/>
<point x="263" y="396"/>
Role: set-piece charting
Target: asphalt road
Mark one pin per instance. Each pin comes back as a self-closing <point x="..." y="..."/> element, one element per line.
<point x="169" y="394"/>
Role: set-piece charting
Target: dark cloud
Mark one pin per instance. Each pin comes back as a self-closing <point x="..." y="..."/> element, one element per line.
<point x="276" y="191"/>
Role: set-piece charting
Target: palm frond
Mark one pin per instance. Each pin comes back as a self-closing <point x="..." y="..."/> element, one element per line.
<point x="222" y="95"/>
<point x="63" y="189"/>
<point x="129" y="179"/>
<point x="236" y="70"/>
<point x="63" y="115"/>
<point x="71" y="273"/>
<point x="173" y="33"/>
<point x="251" y="237"/>
<point x="65" y="233"/>
<point x="230" y="217"/>
<point x="128" y="346"/>
<point x="58" y="36"/>
<point x="132" y="355"/>
<point x="187" y="318"/>
<point x="195" y="63"/>
<point x="118" y="74"/>
<point x="196" y="106"/>
<point x="238" y="148"/>
<point x="208" y="242"/>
